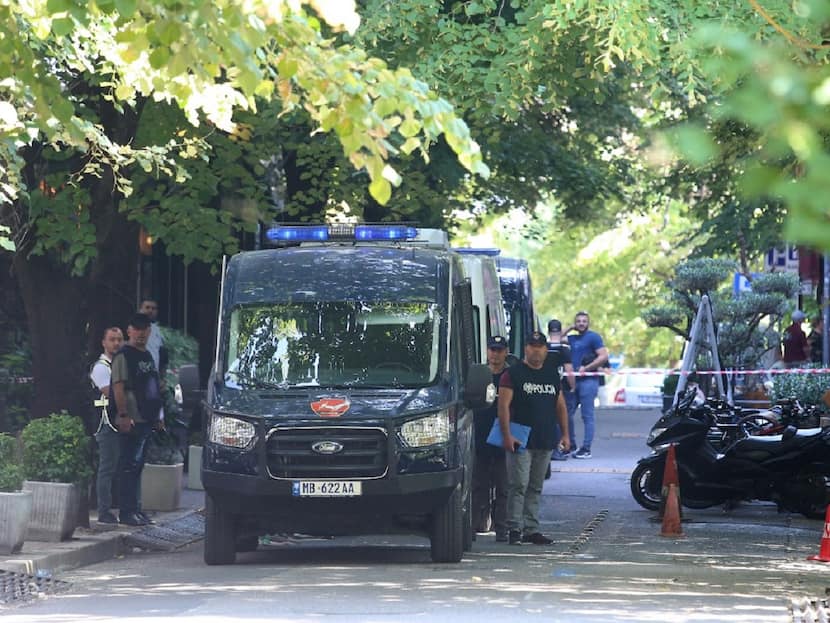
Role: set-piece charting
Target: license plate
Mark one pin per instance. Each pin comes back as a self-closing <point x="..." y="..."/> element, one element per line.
<point x="326" y="488"/>
<point x="651" y="400"/>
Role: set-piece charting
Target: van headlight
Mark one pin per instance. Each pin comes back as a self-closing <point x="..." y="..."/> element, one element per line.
<point x="426" y="431"/>
<point x="231" y="431"/>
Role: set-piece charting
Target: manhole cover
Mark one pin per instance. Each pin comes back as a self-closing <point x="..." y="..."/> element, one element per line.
<point x="18" y="587"/>
<point x="170" y="535"/>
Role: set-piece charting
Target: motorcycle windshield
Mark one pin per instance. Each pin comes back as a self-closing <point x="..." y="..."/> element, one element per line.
<point x="379" y="344"/>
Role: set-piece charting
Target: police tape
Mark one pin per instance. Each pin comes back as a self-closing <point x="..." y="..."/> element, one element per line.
<point x="728" y="372"/>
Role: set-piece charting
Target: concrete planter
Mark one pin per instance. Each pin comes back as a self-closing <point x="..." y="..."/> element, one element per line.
<point x="54" y="510"/>
<point x="15" y="512"/>
<point x="194" y="467"/>
<point x="161" y="486"/>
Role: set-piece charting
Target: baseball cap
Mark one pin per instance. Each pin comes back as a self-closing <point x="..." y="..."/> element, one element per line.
<point x="496" y="341"/>
<point x="798" y="315"/>
<point x="554" y="326"/>
<point x="537" y="338"/>
<point x="139" y="321"/>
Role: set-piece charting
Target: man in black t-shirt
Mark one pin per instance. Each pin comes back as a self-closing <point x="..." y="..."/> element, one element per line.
<point x="559" y="356"/>
<point x="137" y="397"/>
<point x="530" y="394"/>
<point x="490" y="471"/>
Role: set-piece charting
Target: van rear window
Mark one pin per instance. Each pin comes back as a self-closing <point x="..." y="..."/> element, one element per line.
<point x="334" y="344"/>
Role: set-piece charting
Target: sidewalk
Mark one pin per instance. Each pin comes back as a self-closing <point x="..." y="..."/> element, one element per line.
<point x="98" y="543"/>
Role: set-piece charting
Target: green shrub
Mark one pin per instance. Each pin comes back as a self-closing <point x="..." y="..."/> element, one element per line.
<point x="11" y="471"/>
<point x="162" y="450"/>
<point x="56" y="449"/>
<point x="807" y="388"/>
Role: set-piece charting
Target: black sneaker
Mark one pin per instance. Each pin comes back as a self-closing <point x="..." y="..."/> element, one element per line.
<point x="537" y="538"/>
<point x="131" y="519"/>
<point x="107" y="517"/>
<point x="146" y="518"/>
<point x="583" y="453"/>
<point x="514" y="537"/>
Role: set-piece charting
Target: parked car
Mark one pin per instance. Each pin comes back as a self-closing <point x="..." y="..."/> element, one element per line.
<point x="639" y="387"/>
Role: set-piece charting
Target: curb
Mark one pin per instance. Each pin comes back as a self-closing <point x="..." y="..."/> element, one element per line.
<point x="89" y="548"/>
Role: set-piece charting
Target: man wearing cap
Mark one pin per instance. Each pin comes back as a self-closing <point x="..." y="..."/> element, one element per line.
<point x="794" y="341"/>
<point x="490" y="470"/>
<point x="530" y="394"/>
<point x="559" y="356"/>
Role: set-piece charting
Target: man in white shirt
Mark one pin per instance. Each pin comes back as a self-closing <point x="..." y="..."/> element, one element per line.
<point x="155" y="342"/>
<point x="107" y="433"/>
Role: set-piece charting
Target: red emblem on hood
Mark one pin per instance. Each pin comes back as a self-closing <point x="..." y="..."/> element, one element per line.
<point x="330" y="407"/>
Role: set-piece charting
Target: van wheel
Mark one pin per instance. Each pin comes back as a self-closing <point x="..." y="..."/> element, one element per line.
<point x="469" y="533"/>
<point x="220" y="534"/>
<point x="447" y="534"/>
<point x="247" y="544"/>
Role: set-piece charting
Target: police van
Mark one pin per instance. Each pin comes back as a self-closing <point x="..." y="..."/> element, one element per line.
<point x="488" y="308"/>
<point x="341" y="396"/>
<point x="517" y="293"/>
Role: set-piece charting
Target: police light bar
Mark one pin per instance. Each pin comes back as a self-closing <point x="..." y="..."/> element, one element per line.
<point x="491" y="252"/>
<point x="339" y="231"/>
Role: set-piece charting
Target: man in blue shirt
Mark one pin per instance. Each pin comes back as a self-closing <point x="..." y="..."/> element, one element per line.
<point x="588" y="355"/>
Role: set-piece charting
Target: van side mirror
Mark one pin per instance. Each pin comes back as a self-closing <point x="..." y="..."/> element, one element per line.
<point x="189" y="384"/>
<point x="479" y="391"/>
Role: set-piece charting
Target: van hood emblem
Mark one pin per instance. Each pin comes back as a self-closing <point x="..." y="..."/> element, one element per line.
<point x="330" y="407"/>
<point x="327" y="447"/>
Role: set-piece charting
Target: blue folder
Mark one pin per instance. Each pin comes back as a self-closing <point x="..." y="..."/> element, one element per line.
<point x="519" y="431"/>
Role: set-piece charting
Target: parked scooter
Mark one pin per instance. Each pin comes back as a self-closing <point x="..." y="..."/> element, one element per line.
<point x="791" y="469"/>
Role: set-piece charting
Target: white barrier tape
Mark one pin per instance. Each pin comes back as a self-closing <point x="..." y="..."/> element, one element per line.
<point x="667" y="372"/>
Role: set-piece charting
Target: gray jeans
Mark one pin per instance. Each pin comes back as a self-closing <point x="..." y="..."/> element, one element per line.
<point x="525" y="477"/>
<point x="109" y="451"/>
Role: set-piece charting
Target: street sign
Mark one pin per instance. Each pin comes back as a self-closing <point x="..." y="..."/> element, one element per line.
<point x="782" y="259"/>
<point x="741" y="284"/>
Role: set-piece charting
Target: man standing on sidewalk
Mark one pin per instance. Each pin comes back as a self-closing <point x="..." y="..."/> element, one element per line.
<point x="588" y="355"/>
<point x="490" y="470"/>
<point x="559" y="356"/>
<point x="109" y="445"/>
<point x="137" y="395"/>
<point x="530" y="394"/>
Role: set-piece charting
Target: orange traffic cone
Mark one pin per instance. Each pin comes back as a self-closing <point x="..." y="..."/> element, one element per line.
<point x="670" y="477"/>
<point x="824" y="548"/>
<point x="670" y="471"/>
<point x="671" y="517"/>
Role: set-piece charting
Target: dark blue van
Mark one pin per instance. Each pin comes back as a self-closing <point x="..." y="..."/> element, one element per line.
<point x="341" y="397"/>
<point x="517" y="294"/>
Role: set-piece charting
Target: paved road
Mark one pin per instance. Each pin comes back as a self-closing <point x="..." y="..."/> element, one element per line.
<point x="607" y="564"/>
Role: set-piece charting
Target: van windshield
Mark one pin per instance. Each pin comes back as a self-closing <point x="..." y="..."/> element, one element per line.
<point x="334" y="344"/>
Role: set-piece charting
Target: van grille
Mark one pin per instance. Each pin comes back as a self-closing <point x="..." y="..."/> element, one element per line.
<point x="290" y="454"/>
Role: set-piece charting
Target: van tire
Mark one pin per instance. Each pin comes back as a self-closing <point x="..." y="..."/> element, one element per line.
<point x="447" y="534"/>
<point x="469" y="533"/>
<point x="220" y="534"/>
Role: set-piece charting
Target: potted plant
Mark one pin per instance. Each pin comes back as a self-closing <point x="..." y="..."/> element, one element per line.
<point x="161" y="478"/>
<point x="194" y="461"/>
<point x="56" y="466"/>
<point x="15" y="504"/>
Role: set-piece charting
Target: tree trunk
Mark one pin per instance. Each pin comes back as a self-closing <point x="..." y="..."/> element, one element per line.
<point x="56" y="315"/>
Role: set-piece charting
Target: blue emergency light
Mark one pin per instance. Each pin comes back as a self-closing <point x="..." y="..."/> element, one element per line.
<point x="298" y="233"/>
<point x="339" y="231"/>
<point x="385" y="232"/>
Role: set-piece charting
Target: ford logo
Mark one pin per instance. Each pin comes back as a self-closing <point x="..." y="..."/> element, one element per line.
<point x="327" y="447"/>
